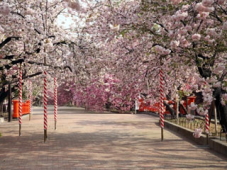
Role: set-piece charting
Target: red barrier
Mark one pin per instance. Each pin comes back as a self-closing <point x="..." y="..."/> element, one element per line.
<point x="191" y="99"/>
<point x="146" y="106"/>
<point x="25" y="108"/>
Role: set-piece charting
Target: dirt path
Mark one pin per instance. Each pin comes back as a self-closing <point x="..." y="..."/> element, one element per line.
<point x="99" y="141"/>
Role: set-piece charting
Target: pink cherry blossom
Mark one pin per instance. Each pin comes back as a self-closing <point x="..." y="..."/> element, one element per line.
<point x="1" y="29"/>
<point x="201" y="111"/>
<point x="224" y="26"/>
<point x="180" y="15"/>
<point x="221" y="2"/>
<point x="193" y="106"/>
<point x="207" y="3"/>
<point x="201" y="8"/>
<point x="190" y="117"/>
<point x="114" y="27"/>
<point x="219" y="69"/>
<point x="161" y="50"/>
<point x="4" y="9"/>
<point x="203" y="15"/>
<point x="196" y="37"/>
<point x="188" y="28"/>
<point x="184" y="43"/>
<point x="185" y="7"/>
<point x="217" y="84"/>
<point x="212" y="32"/>
<point x="174" y="44"/>
<point x="183" y="31"/>
<point x="197" y="133"/>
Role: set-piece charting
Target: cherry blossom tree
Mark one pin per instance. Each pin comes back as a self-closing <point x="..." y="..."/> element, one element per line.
<point x="199" y="33"/>
<point x="185" y="38"/>
<point x="31" y="40"/>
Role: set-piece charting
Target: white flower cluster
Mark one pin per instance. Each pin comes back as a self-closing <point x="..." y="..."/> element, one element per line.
<point x="4" y="8"/>
<point x="193" y="106"/>
<point x="180" y="15"/>
<point x="196" y="37"/>
<point x="190" y="117"/>
<point x="207" y="96"/>
<point x="197" y="133"/>
<point x="201" y="111"/>
<point x="114" y="27"/>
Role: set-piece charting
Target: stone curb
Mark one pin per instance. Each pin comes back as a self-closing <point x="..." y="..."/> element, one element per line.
<point x="214" y="143"/>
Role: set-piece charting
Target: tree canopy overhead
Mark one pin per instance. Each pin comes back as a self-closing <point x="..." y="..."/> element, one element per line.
<point x="110" y="51"/>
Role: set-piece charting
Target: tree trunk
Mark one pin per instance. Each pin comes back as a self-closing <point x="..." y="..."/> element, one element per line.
<point x="1" y="109"/>
<point x="170" y="109"/>
<point x="221" y="109"/>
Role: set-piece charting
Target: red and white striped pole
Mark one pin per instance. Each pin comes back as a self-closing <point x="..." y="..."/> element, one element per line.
<point x="55" y="102"/>
<point x="207" y="126"/>
<point x="45" y="105"/>
<point x="161" y="102"/>
<point x="20" y="100"/>
<point x="30" y="96"/>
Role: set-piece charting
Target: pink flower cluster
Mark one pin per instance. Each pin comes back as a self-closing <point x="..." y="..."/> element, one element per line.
<point x="197" y="133"/>
<point x="193" y="106"/>
<point x="221" y="2"/>
<point x="200" y="7"/>
<point x="190" y="117"/>
<point x="1" y="30"/>
<point x="161" y="50"/>
<point x="179" y="15"/>
<point x="196" y="37"/>
<point x="207" y="3"/>
<point x="4" y="9"/>
<point x="201" y="111"/>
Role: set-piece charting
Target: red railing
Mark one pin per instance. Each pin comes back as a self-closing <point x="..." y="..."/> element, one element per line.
<point x="147" y="106"/>
<point x="25" y="108"/>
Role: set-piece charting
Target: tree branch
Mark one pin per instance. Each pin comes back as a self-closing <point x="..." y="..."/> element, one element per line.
<point x="17" y="13"/>
<point x="55" y="67"/>
<point x="8" y="40"/>
<point x="8" y="66"/>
